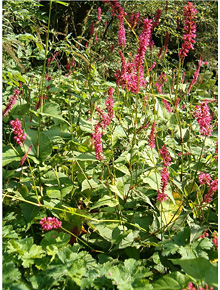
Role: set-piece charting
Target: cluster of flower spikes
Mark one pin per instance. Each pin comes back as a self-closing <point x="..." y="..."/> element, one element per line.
<point x="204" y="118"/>
<point x="105" y="120"/>
<point x="11" y="102"/>
<point x="192" y="287"/>
<point x="49" y="223"/>
<point x="17" y="130"/>
<point x="189" y="30"/>
<point x="161" y="196"/>
<point x="131" y="75"/>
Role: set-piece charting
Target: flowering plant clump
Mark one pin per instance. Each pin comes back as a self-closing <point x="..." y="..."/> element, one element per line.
<point x="110" y="130"/>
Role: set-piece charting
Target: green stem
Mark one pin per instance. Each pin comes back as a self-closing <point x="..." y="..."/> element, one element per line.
<point x="35" y="188"/>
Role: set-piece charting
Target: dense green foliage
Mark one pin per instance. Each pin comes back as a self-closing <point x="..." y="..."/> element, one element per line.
<point x="115" y="233"/>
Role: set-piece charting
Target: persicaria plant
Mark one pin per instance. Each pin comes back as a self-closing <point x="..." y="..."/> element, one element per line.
<point x="110" y="145"/>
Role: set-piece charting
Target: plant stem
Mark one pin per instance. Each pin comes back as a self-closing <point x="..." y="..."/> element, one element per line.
<point x="35" y="188"/>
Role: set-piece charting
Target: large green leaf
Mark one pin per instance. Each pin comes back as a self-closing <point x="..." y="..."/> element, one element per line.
<point x="105" y="201"/>
<point x="9" y="156"/>
<point x="173" y="281"/>
<point x="200" y="269"/>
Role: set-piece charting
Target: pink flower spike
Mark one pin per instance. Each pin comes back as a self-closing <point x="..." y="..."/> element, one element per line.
<point x="92" y="28"/>
<point x="165" y="155"/>
<point x="121" y="33"/>
<point x="204" y="119"/>
<point x="99" y="14"/>
<point x="161" y="196"/>
<point x="50" y="223"/>
<point x="17" y="130"/>
<point x="97" y="136"/>
<point x="167" y="106"/>
<point x="157" y="18"/>
<point x="189" y="30"/>
<point x="25" y="156"/>
<point x="11" y="102"/>
<point x="151" y="142"/>
<point x="109" y="103"/>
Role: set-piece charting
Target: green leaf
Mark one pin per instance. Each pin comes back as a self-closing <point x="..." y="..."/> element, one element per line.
<point x="105" y="201"/>
<point x="114" y="189"/>
<point x="29" y="211"/>
<point x="61" y="2"/>
<point x="9" y="156"/>
<point x="173" y="281"/>
<point x="85" y="157"/>
<point x="10" y="272"/>
<point x="169" y="247"/>
<point x="45" y="147"/>
<point x="200" y="269"/>
<point x="53" y="110"/>
<point x="88" y="184"/>
<point x="169" y="210"/>
<point x="122" y="168"/>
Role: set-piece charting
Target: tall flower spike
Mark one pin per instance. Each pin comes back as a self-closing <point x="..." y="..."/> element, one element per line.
<point x="92" y="28"/>
<point x="99" y="14"/>
<point x="189" y="30"/>
<point x="204" y="118"/>
<point x="165" y="155"/>
<point x="161" y="196"/>
<point x="196" y="75"/>
<point x="11" y="102"/>
<point x="109" y="103"/>
<point x="97" y="136"/>
<point x="144" y="41"/>
<point x="151" y="142"/>
<point x="121" y="33"/>
<point x="157" y="18"/>
<point x="25" y="156"/>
